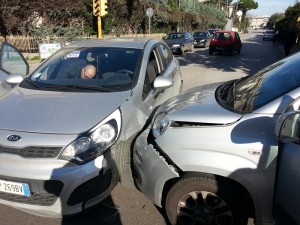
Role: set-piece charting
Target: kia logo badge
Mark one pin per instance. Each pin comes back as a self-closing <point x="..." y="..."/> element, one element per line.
<point x="13" y="138"/>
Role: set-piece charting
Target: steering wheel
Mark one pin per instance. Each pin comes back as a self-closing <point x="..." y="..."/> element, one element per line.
<point x="126" y="72"/>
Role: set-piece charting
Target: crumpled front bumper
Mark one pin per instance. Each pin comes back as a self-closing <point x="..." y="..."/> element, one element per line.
<point x="151" y="168"/>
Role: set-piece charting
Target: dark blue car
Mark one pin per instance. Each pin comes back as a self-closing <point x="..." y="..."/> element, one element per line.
<point x="180" y="42"/>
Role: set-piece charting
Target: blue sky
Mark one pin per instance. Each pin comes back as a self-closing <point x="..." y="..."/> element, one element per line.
<point x="269" y="7"/>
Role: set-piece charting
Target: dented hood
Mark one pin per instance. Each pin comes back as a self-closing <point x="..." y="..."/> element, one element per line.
<point x="199" y="105"/>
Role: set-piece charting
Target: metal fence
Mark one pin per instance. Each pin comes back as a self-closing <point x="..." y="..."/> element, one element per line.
<point x="31" y="44"/>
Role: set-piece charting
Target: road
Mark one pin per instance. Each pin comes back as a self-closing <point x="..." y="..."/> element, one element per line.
<point x="129" y="206"/>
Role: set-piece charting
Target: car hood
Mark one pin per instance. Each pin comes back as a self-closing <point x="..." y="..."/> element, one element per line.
<point x="39" y="111"/>
<point x="199" y="105"/>
<point x="171" y="42"/>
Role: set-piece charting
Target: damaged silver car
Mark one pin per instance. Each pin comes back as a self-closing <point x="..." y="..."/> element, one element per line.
<point x="210" y="154"/>
<point x="65" y="139"/>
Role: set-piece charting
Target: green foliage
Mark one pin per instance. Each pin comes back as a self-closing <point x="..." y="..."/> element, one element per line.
<point x="293" y="11"/>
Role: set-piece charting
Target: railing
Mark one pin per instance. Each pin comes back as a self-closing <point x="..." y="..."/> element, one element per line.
<point x="31" y="44"/>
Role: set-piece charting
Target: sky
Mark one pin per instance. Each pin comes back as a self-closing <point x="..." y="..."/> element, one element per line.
<point x="269" y="7"/>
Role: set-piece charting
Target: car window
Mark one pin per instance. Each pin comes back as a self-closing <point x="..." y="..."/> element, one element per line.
<point x="175" y="36"/>
<point x="166" y="55"/>
<point x="222" y="36"/>
<point x="116" y="69"/>
<point x="267" y="85"/>
<point x="152" y="71"/>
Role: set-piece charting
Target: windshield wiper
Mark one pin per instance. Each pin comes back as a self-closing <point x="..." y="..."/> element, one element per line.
<point x="82" y="87"/>
<point x="32" y="83"/>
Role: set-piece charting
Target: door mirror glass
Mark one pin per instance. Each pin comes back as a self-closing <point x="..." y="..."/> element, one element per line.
<point x="13" y="61"/>
<point x="288" y="127"/>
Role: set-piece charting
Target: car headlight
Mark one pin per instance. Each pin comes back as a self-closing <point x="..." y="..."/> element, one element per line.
<point x="160" y="124"/>
<point x="94" y="142"/>
<point x="176" y="45"/>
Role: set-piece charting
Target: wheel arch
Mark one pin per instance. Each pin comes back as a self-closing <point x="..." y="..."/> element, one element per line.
<point x="244" y="191"/>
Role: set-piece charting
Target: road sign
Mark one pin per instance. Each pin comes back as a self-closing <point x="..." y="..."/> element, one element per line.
<point x="149" y="12"/>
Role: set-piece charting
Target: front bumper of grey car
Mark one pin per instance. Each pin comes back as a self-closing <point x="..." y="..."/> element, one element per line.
<point x="33" y="179"/>
<point x="151" y="168"/>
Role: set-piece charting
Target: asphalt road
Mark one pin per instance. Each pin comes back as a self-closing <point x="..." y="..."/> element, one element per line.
<point x="129" y="206"/>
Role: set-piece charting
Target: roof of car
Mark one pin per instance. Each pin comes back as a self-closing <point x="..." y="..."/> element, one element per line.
<point x="123" y="42"/>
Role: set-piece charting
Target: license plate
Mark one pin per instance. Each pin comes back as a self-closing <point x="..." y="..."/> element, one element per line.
<point x="195" y="42"/>
<point x="219" y="48"/>
<point x="14" y="188"/>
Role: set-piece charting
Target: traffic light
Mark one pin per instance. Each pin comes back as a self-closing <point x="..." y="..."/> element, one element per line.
<point x="96" y="7"/>
<point x="103" y="7"/>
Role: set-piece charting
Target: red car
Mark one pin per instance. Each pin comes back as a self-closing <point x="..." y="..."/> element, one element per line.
<point x="225" y="41"/>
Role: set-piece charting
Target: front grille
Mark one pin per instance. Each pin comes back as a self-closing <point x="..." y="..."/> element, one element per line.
<point x="43" y="192"/>
<point x="44" y="199"/>
<point x="33" y="151"/>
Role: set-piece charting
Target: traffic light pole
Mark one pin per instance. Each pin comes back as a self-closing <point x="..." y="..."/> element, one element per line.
<point x="99" y="26"/>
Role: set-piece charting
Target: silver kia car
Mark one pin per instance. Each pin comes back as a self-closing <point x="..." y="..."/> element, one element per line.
<point x="65" y="140"/>
<point x="210" y="154"/>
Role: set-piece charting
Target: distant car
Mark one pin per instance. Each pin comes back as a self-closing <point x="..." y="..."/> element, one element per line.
<point x="65" y="140"/>
<point x="269" y="35"/>
<point x="225" y="41"/>
<point x="180" y="42"/>
<point x="201" y="39"/>
<point x="209" y="155"/>
<point x="212" y="31"/>
<point x="12" y="62"/>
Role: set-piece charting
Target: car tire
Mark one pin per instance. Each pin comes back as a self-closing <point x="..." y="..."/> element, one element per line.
<point x="239" y="50"/>
<point x="210" y="51"/>
<point x="205" y="199"/>
<point x="182" y="50"/>
<point x="231" y="51"/>
<point x="122" y="158"/>
<point x="192" y="48"/>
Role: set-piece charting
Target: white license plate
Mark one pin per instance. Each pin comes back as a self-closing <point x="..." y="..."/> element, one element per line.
<point x="195" y="42"/>
<point x="14" y="188"/>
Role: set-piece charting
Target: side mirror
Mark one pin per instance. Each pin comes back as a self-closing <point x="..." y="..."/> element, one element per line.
<point x="14" y="79"/>
<point x="288" y="127"/>
<point x="162" y="82"/>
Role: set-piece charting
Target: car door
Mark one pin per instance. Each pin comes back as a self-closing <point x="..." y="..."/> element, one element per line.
<point x="287" y="198"/>
<point x="11" y="62"/>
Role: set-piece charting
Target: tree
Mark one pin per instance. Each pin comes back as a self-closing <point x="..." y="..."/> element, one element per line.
<point x="274" y="18"/>
<point x="246" y="5"/>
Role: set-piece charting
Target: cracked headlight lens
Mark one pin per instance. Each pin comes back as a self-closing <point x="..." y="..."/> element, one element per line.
<point x="160" y="124"/>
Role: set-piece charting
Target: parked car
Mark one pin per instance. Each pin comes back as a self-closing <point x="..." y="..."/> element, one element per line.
<point x="210" y="154"/>
<point x="212" y="31"/>
<point x="287" y="198"/>
<point x="12" y="62"/>
<point x="65" y="141"/>
<point x="201" y="39"/>
<point x="180" y="42"/>
<point x="225" y="41"/>
<point x="269" y="35"/>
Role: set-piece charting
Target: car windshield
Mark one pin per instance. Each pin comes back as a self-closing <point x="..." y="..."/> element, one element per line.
<point x="252" y="92"/>
<point x="175" y="36"/>
<point x="113" y="69"/>
<point x="199" y="34"/>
